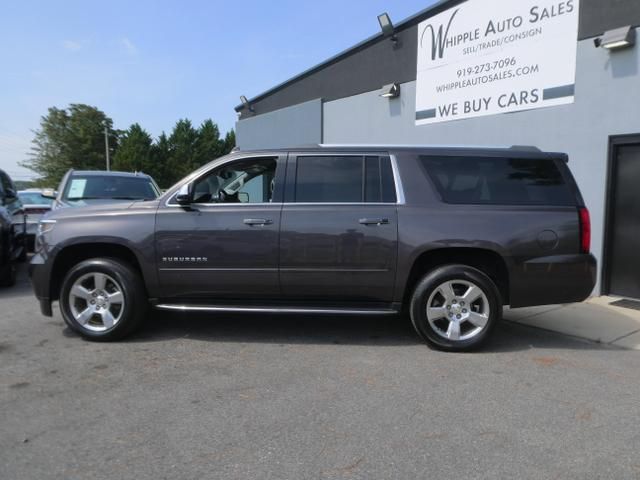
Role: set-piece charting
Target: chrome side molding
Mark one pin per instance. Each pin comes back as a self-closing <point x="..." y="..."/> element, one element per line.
<point x="297" y="310"/>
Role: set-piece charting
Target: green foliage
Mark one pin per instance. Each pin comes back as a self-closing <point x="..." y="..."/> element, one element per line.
<point x="74" y="138"/>
<point x="182" y="148"/>
<point x="209" y="145"/>
<point x="135" y="151"/>
<point x="229" y="141"/>
<point x="187" y="149"/>
<point x="70" y="138"/>
<point x="175" y="156"/>
<point x="24" y="184"/>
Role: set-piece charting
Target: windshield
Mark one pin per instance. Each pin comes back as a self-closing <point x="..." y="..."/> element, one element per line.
<point x="33" y="198"/>
<point x="95" y="187"/>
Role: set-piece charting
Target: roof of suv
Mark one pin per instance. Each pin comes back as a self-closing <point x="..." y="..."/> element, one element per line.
<point x="503" y="151"/>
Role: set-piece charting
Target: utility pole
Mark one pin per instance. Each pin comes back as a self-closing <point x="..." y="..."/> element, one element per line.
<point x="106" y="146"/>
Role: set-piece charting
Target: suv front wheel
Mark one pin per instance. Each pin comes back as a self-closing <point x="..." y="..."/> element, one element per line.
<point x="455" y="308"/>
<point x="103" y="299"/>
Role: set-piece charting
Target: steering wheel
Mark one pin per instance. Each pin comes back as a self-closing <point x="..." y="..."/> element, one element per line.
<point x="224" y="197"/>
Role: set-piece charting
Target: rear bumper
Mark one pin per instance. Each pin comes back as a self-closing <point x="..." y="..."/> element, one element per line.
<point x="557" y="279"/>
<point x="40" y="273"/>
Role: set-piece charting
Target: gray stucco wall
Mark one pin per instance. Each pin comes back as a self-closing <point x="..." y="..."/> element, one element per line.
<point x="297" y="125"/>
<point x="607" y="102"/>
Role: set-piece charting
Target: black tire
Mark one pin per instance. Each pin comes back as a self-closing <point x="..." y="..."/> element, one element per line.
<point x="130" y="283"/>
<point x="488" y="306"/>
<point x="8" y="275"/>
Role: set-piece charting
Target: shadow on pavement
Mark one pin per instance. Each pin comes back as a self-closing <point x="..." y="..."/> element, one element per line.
<point x="22" y="287"/>
<point x="336" y="330"/>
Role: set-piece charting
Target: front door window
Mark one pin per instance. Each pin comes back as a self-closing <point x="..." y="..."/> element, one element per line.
<point x="247" y="181"/>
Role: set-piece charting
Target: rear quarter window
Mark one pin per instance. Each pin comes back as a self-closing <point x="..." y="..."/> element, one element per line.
<point x="499" y="181"/>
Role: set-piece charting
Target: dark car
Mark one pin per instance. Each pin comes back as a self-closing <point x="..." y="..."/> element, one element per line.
<point x="82" y="188"/>
<point x="449" y="235"/>
<point x="35" y="206"/>
<point x="13" y="231"/>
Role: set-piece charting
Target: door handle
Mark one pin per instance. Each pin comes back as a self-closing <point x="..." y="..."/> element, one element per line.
<point x="374" y="221"/>
<point x="257" y="222"/>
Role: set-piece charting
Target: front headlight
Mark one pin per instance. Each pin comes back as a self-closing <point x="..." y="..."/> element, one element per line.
<point x="45" y="226"/>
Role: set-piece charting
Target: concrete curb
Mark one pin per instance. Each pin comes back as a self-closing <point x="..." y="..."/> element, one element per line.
<point x="595" y="320"/>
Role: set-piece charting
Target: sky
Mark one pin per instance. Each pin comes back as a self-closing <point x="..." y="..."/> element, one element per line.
<point x="154" y="62"/>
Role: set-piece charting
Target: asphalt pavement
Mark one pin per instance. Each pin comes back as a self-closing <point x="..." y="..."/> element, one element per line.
<point x="291" y="397"/>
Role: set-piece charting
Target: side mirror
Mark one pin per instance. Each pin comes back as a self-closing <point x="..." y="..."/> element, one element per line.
<point x="49" y="193"/>
<point x="243" y="197"/>
<point x="10" y="194"/>
<point x="184" y="196"/>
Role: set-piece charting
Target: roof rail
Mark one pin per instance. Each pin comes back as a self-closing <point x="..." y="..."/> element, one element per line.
<point x="392" y="145"/>
<point x="526" y="148"/>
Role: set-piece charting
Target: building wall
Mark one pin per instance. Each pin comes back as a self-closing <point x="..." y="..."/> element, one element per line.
<point x="376" y="62"/>
<point x="297" y="125"/>
<point x="607" y="101"/>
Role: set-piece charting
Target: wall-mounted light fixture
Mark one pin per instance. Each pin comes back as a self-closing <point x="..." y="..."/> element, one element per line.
<point x="386" y="25"/>
<point x="246" y="103"/>
<point x="390" y="91"/>
<point x="617" y="39"/>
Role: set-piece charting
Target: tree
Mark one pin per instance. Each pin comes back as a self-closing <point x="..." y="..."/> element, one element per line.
<point x="229" y="141"/>
<point x="209" y="145"/>
<point x="159" y="161"/>
<point x="70" y="138"/>
<point x="74" y="138"/>
<point x="182" y="149"/>
<point x="185" y="150"/>
<point x="135" y="151"/>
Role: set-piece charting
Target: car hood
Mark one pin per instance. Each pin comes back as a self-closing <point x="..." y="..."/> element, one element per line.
<point x="92" y="202"/>
<point x="99" y="207"/>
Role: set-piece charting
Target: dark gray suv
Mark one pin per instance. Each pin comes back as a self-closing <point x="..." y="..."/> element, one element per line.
<point x="448" y="235"/>
<point x="13" y="231"/>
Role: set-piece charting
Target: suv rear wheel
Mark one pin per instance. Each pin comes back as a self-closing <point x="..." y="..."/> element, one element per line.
<point x="455" y="308"/>
<point x="103" y="299"/>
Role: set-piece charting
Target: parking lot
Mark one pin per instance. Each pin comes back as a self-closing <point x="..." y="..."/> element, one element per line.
<point x="296" y="397"/>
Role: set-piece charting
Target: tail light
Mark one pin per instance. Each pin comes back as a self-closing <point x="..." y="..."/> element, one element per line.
<point x="585" y="230"/>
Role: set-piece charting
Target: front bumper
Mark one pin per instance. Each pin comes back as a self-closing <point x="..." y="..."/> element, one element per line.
<point x="40" y="273"/>
<point x="553" y="280"/>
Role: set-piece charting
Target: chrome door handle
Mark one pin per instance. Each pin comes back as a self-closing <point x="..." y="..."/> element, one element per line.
<point x="374" y="221"/>
<point x="257" y="222"/>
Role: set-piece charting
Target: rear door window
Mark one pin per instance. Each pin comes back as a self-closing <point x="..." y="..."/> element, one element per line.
<point x="499" y="181"/>
<point x="344" y="179"/>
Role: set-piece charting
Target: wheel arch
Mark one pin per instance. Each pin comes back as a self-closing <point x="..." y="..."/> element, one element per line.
<point x="72" y="254"/>
<point x="488" y="261"/>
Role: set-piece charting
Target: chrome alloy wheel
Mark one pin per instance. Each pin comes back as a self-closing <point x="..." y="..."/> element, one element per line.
<point x="96" y="302"/>
<point x="458" y="310"/>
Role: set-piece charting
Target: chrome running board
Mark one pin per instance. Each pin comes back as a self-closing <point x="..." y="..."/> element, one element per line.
<point x="298" y="310"/>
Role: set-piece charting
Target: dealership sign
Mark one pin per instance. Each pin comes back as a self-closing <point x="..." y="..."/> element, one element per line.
<point x="485" y="57"/>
